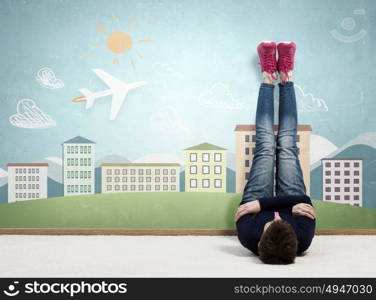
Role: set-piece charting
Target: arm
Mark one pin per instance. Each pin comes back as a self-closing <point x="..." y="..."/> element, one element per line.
<point x="278" y="202"/>
<point x="305" y="230"/>
<point x="249" y="233"/>
<point x="285" y="203"/>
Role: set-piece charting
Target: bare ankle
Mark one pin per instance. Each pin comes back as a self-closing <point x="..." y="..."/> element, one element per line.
<point x="267" y="78"/>
<point x="285" y="77"/>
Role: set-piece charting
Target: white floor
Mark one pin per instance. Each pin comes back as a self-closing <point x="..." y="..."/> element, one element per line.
<point x="176" y="256"/>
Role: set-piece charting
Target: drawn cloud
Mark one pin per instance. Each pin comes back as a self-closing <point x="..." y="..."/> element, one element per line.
<point x="46" y="78"/>
<point x="167" y="120"/>
<point x="29" y="115"/>
<point x="307" y="102"/>
<point x="165" y="69"/>
<point x="219" y="96"/>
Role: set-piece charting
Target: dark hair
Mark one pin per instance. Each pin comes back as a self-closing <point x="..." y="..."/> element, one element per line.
<point x="278" y="244"/>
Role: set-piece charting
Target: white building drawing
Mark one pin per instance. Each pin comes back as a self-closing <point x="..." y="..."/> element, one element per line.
<point x="140" y="177"/>
<point x="78" y="166"/>
<point x="343" y="180"/>
<point x="27" y="181"/>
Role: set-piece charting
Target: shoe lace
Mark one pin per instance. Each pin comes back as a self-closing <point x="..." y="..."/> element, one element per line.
<point x="269" y="64"/>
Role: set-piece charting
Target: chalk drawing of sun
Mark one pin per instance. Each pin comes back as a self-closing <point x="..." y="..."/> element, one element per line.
<point x="120" y="41"/>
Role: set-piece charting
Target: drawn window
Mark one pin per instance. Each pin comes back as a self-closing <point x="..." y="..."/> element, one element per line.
<point x="193" y="183"/>
<point x="205" y="169"/>
<point x="218" y="169"/>
<point x="218" y="183"/>
<point x="193" y="157"/>
<point x="218" y="157"/>
<point x="193" y="169"/>
<point x="205" y="157"/>
<point x="205" y="183"/>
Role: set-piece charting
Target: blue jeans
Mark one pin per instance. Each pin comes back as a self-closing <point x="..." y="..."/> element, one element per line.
<point x="283" y="156"/>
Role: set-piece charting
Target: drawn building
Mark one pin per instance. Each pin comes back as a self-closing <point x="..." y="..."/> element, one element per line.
<point x="343" y="180"/>
<point x="140" y="177"/>
<point x="27" y="181"/>
<point x="78" y="166"/>
<point x="205" y="168"/>
<point x="245" y="142"/>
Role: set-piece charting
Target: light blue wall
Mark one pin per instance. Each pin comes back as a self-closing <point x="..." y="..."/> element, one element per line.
<point x="202" y="43"/>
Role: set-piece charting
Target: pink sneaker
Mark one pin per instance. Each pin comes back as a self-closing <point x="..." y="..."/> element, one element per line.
<point x="286" y="53"/>
<point x="268" y="60"/>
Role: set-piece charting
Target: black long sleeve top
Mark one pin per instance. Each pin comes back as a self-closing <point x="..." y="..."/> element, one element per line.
<point x="303" y="226"/>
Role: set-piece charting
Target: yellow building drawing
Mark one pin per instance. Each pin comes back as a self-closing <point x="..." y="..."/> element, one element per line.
<point x="205" y="168"/>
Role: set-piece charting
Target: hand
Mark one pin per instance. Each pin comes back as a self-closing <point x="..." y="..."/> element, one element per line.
<point x="247" y="208"/>
<point x="303" y="209"/>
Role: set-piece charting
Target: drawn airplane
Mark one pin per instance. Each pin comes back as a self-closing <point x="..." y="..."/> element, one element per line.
<point x="117" y="88"/>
